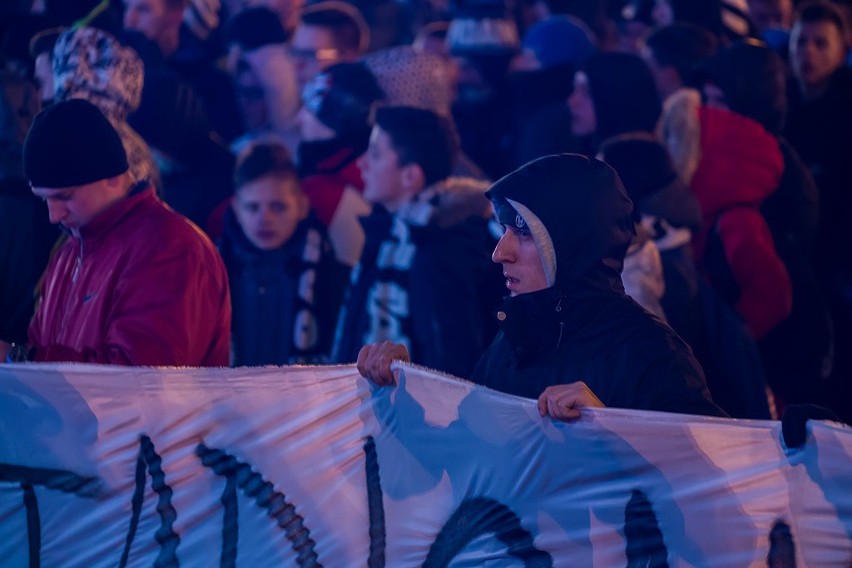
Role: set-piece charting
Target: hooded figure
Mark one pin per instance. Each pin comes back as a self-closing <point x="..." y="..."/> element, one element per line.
<point x="578" y="324"/>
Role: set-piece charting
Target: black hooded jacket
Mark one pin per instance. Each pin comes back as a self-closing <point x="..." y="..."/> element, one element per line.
<point x="584" y="327"/>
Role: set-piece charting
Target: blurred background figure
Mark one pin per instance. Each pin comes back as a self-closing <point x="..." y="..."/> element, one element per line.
<point x="335" y="130"/>
<point x="26" y="234"/>
<point x="329" y="32"/>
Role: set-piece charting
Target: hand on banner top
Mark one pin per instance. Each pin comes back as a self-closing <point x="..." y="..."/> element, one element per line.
<point x="374" y="361"/>
<point x="563" y="402"/>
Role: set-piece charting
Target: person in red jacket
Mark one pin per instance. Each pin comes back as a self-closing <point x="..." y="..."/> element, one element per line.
<point x="135" y="283"/>
<point x="741" y="166"/>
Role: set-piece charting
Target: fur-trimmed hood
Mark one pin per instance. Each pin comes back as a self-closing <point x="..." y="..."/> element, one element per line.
<point x="448" y="203"/>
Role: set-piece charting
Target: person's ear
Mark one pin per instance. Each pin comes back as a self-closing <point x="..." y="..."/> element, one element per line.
<point x="413" y="179"/>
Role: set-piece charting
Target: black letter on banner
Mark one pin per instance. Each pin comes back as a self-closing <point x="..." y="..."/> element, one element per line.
<point x="264" y="494"/>
<point x="55" y="479"/>
<point x="645" y="545"/>
<point x="165" y="536"/>
<point x="375" y="505"/>
<point x="782" y="549"/>
<point x="478" y="516"/>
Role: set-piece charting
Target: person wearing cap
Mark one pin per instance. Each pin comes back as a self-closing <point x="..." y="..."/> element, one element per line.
<point x="569" y="336"/>
<point x="424" y="278"/>
<point x="334" y="125"/>
<point x="135" y="283"/>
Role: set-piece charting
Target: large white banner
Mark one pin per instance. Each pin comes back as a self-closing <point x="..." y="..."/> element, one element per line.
<point x="312" y="466"/>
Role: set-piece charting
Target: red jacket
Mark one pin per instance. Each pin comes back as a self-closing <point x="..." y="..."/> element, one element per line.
<point x="741" y="165"/>
<point x="141" y="285"/>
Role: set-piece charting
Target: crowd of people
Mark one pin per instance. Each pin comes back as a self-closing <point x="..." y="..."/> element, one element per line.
<point x="631" y="203"/>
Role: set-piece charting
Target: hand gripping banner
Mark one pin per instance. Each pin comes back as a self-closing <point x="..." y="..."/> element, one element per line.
<point x="315" y="467"/>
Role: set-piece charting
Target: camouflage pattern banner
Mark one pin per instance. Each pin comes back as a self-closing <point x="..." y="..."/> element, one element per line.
<point x="315" y="467"/>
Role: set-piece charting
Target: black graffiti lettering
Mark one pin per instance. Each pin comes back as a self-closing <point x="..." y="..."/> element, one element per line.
<point x="33" y="525"/>
<point x="645" y="544"/>
<point x="150" y="463"/>
<point x="230" y="524"/>
<point x="478" y="516"/>
<point x="263" y="492"/>
<point x="60" y="480"/>
<point x="782" y="549"/>
<point x="375" y="506"/>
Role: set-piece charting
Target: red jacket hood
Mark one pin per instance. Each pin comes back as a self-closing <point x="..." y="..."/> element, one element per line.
<point x="741" y="163"/>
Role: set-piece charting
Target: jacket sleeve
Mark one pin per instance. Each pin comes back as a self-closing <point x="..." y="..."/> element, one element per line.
<point x="766" y="296"/>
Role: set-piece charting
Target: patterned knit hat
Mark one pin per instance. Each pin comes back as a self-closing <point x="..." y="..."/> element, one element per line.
<point x="90" y="64"/>
<point x="412" y="78"/>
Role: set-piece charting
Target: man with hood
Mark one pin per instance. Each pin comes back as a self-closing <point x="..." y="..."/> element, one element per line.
<point x="569" y="335"/>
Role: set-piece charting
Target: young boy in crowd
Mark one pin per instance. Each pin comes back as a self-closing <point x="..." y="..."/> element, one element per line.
<point x="425" y="278"/>
<point x="286" y="285"/>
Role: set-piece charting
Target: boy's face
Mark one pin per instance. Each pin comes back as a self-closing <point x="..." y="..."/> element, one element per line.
<point x="816" y="51"/>
<point x="384" y="178"/>
<point x="268" y="209"/>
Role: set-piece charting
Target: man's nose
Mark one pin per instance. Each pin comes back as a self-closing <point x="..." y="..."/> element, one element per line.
<point x="503" y="250"/>
<point x="56" y="211"/>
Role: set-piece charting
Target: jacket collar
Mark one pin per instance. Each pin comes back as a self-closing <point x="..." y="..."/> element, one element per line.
<point x="104" y="222"/>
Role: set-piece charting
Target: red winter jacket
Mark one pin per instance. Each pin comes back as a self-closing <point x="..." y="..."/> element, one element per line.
<point x="141" y="285"/>
<point x="741" y="165"/>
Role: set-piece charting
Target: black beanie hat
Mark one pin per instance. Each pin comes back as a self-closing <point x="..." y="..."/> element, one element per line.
<point x="72" y="143"/>
<point x="342" y="97"/>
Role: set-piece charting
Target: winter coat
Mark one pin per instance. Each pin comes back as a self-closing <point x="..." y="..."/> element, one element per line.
<point x="821" y="132"/>
<point x="741" y="166"/>
<point x="285" y="301"/>
<point x="140" y="285"/>
<point x="426" y="280"/>
<point x="584" y="327"/>
<point x="332" y="181"/>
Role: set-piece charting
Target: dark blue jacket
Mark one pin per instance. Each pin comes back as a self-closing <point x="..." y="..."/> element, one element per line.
<point x="285" y="301"/>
